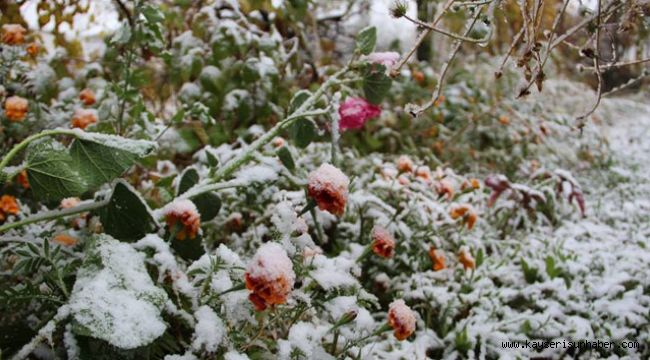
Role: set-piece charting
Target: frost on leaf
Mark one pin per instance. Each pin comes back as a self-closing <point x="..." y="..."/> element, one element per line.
<point x="114" y="299"/>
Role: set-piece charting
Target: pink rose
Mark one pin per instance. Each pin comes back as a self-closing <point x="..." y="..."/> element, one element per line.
<point x="355" y="112"/>
<point x="388" y="59"/>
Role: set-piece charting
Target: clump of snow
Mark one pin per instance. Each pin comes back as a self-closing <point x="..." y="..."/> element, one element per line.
<point x="114" y="297"/>
<point x="209" y="330"/>
<point x="271" y="262"/>
<point x="331" y="273"/>
<point x="328" y="176"/>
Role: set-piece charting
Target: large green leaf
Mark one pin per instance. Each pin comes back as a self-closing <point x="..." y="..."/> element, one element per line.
<point x="52" y="174"/>
<point x="366" y="40"/>
<point x="92" y="160"/>
<point x="126" y="217"/>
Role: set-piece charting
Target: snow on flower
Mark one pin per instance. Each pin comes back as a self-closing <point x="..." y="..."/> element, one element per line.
<point x="82" y="118"/>
<point x="465" y="211"/>
<point x="402" y="319"/>
<point x="269" y="276"/>
<point x="383" y="243"/>
<point x="87" y="96"/>
<point x="404" y="164"/>
<point x="183" y="213"/>
<point x="355" y="112"/>
<point x="65" y="240"/>
<point x="437" y="258"/>
<point x="388" y="58"/>
<point x="466" y="258"/>
<point x="13" y="34"/>
<point x="445" y="188"/>
<point x="328" y="186"/>
<point x="70" y="202"/>
<point x="16" y="108"/>
<point x="33" y="48"/>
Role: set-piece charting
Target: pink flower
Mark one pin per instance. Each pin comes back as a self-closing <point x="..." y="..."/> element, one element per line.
<point x="355" y="112"/>
<point x="388" y="59"/>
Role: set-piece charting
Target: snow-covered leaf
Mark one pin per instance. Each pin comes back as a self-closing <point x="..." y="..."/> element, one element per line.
<point x="51" y="171"/>
<point x="114" y="299"/>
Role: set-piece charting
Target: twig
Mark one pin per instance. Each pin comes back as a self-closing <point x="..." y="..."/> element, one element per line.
<point x="445" y="32"/>
<point x="436" y="95"/>
<point x="395" y="70"/>
<point x="55" y="214"/>
<point x="581" y="119"/>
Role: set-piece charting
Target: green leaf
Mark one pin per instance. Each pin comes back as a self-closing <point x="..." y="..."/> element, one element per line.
<point x="303" y="132"/>
<point x="366" y="40"/>
<point x="285" y="157"/>
<point x="207" y="204"/>
<point x="376" y="84"/>
<point x="51" y="173"/>
<point x="126" y="217"/>
<point x="298" y="99"/>
<point x="189" y="178"/>
<point x="189" y="249"/>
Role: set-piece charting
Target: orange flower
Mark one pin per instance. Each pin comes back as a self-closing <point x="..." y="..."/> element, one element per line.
<point x="22" y="179"/>
<point x="437" y="258"/>
<point x="13" y="34"/>
<point x="383" y="243"/>
<point x="466" y="258"/>
<point x="439" y="101"/>
<point x="328" y="186"/>
<point x="504" y="120"/>
<point x="83" y="117"/>
<point x="65" y="239"/>
<point x="404" y="180"/>
<point x="423" y="173"/>
<point x="404" y="164"/>
<point x="87" y="96"/>
<point x="467" y="212"/>
<point x="269" y="276"/>
<point x="418" y="76"/>
<point x="444" y="187"/>
<point x="183" y="212"/>
<point x="476" y="184"/>
<point x="402" y="319"/>
<point x="9" y="205"/>
<point x="278" y="142"/>
<point x="69" y="202"/>
<point x="33" y="48"/>
<point x="16" y="108"/>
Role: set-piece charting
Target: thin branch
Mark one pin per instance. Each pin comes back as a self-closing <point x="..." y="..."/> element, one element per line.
<point x="617" y="65"/>
<point x="55" y="214"/>
<point x="437" y="93"/>
<point x="445" y="32"/>
<point x="395" y="70"/>
<point x="581" y="119"/>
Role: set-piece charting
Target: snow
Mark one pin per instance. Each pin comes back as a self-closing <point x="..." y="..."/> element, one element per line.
<point x="209" y="330"/>
<point x="115" y="298"/>
<point x="139" y="147"/>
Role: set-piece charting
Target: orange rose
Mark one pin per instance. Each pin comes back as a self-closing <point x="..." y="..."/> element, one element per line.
<point x="13" y="34"/>
<point x="65" y="239"/>
<point x="269" y="276"/>
<point x="328" y="186"/>
<point x="87" y="96"/>
<point x="383" y="243"/>
<point x="437" y="258"/>
<point x="33" y="48"/>
<point x="402" y="319"/>
<point x="183" y="212"/>
<point x="9" y="205"/>
<point x="16" y="108"/>
<point x="465" y="211"/>
<point x="466" y="258"/>
<point x="82" y="118"/>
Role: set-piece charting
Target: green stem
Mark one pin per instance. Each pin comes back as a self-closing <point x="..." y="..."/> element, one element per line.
<point x="23" y="144"/>
<point x="244" y="157"/>
<point x="55" y="214"/>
